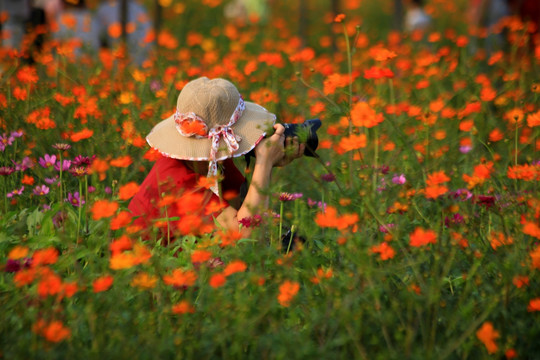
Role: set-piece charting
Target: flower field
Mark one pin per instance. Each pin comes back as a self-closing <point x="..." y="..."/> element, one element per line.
<point x="417" y="231"/>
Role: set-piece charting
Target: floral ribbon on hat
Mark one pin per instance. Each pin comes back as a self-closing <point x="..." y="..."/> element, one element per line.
<point x="191" y="124"/>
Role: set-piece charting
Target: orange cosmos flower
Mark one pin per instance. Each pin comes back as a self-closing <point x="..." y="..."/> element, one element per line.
<point x="363" y="115"/>
<point x="514" y="116"/>
<point x="330" y="219"/>
<point x="128" y="190"/>
<point x="381" y="54"/>
<point x="339" y="18"/>
<point x="436" y="178"/>
<point x="524" y="172"/>
<point x="46" y="256"/>
<point x="144" y="281"/>
<point x="498" y="239"/>
<point x="287" y="291"/>
<point x="102" y="283"/>
<point x="533" y="119"/>
<point x="520" y="281"/>
<point x="183" y="307"/>
<point x="103" y="209"/>
<point x="334" y="81"/>
<point x="180" y="278"/>
<point x="217" y="280"/>
<point x="353" y="142"/>
<point x="229" y="237"/>
<point x="496" y="135"/>
<point x="121" y="244"/>
<point x="122" y="260"/>
<point x="487" y="334"/>
<point x="27" y="180"/>
<point x="49" y="285"/>
<point x="534" y="305"/>
<point x="122" y="161"/>
<point x="81" y="135"/>
<point x="24" y="277"/>
<point x="200" y="256"/>
<point x="18" y="252"/>
<point x="322" y="274"/>
<point x="234" y="267"/>
<point x="56" y="332"/>
<point x="121" y="220"/>
<point x="386" y="251"/>
<point x="421" y="237"/>
<point x="531" y="229"/>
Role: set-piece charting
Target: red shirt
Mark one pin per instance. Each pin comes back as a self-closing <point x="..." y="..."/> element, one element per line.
<point x="170" y="190"/>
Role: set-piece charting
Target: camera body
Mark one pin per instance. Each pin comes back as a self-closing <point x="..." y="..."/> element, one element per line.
<point x="307" y="133"/>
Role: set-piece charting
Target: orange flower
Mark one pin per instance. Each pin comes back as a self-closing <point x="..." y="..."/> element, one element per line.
<point x="183" y="307"/>
<point x="514" y="116"/>
<point x="18" y="252"/>
<point x="420" y="237"/>
<point x="386" y="251"/>
<point x="487" y="334"/>
<point x="322" y="274"/>
<point x="115" y="30"/>
<point x="434" y="191"/>
<point x="144" y="281"/>
<point x="230" y="237"/>
<point x="287" y="291"/>
<point x="49" y="285"/>
<point x="122" y="260"/>
<point x="24" y="277"/>
<point x="535" y="258"/>
<point x="103" y="209"/>
<point x="533" y="120"/>
<point x="234" y="267"/>
<point x="353" y="142"/>
<point x="520" y="281"/>
<point x="531" y="229"/>
<point x="200" y="256"/>
<point x="437" y="178"/>
<point x="27" y="180"/>
<point x="217" y="280"/>
<point x="381" y="54"/>
<point x="128" y="190"/>
<point x="181" y="278"/>
<point x="121" y="220"/>
<point x="334" y="81"/>
<point x="496" y="135"/>
<point x="56" y="332"/>
<point x="121" y="244"/>
<point x="534" y="305"/>
<point x="46" y="256"/>
<point x="339" y="18"/>
<point x="329" y="218"/>
<point x="497" y="239"/>
<point x="102" y="283"/>
<point x="81" y="135"/>
<point x="122" y="161"/>
<point x="363" y="115"/>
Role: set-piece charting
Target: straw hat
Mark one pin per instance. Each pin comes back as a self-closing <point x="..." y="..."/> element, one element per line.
<point x="211" y="123"/>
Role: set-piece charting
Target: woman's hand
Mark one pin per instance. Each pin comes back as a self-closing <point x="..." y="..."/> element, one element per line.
<point x="271" y="150"/>
<point x="293" y="150"/>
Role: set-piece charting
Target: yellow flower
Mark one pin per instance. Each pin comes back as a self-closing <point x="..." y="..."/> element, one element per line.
<point x="144" y="281"/>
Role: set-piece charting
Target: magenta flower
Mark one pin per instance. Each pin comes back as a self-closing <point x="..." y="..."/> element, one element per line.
<point x="41" y="190"/>
<point x="61" y="146"/>
<point x="319" y="204"/>
<point x="47" y="160"/>
<point x="52" y="180"/>
<point x="15" y="192"/>
<point x="6" y="170"/>
<point x="252" y="221"/>
<point x="289" y="197"/>
<point x="399" y="179"/>
<point x="26" y="163"/>
<point x="465" y="149"/>
<point x="328" y="177"/>
<point x="75" y="199"/>
<point x="17" y="134"/>
<point x="66" y="164"/>
<point x="83" y="160"/>
<point x="6" y="141"/>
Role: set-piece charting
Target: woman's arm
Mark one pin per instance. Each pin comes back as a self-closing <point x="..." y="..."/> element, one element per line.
<point x="269" y="153"/>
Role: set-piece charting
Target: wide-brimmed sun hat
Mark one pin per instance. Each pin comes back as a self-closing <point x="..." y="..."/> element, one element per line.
<point x="212" y="122"/>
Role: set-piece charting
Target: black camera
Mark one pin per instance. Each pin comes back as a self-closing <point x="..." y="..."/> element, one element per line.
<point x="307" y="134"/>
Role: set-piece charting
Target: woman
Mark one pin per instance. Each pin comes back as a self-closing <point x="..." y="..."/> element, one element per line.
<point x="211" y="125"/>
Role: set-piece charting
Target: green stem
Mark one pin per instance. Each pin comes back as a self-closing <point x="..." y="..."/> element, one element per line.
<point x="280" y="219"/>
<point x="375" y="158"/>
<point x="80" y="209"/>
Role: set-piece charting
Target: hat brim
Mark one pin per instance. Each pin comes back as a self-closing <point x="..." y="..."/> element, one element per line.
<point x="251" y="127"/>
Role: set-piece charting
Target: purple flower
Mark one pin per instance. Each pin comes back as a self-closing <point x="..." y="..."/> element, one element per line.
<point x="46" y="207"/>
<point x="26" y="163"/>
<point x="15" y="192"/>
<point x="13" y="266"/>
<point x="91" y="189"/>
<point x="79" y="171"/>
<point x="6" y="141"/>
<point x="456" y="219"/>
<point x="484" y="200"/>
<point x="61" y="146"/>
<point x="6" y="170"/>
<point x="47" y="160"/>
<point x="52" y="180"/>
<point x="328" y="177"/>
<point x="108" y="190"/>
<point x="74" y="199"/>
<point x="289" y="197"/>
<point x="386" y="227"/>
<point x="17" y="134"/>
<point x="465" y="149"/>
<point x="41" y="190"/>
<point x="462" y="194"/>
<point x="66" y="164"/>
<point x="399" y="179"/>
<point x="155" y="85"/>
<point x="251" y="221"/>
<point x="319" y="204"/>
<point x="83" y="160"/>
